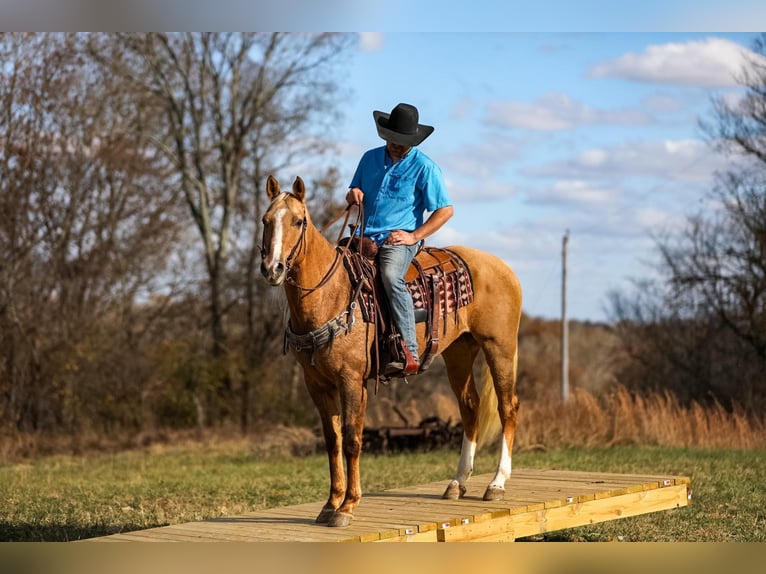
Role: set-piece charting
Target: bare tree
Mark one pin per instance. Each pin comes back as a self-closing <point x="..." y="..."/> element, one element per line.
<point x="85" y="230"/>
<point x="108" y="143"/>
<point x="236" y="107"/>
<point x="233" y="103"/>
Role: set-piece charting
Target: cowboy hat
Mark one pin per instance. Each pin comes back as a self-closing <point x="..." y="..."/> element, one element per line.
<point x="401" y="125"/>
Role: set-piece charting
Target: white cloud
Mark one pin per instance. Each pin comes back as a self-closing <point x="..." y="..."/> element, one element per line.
<point x="483" y="159"/>
<point x="679" y="160"/>
<point x="448" y="236"/>
<point x="661" y="103"/>
<point x="713" y="62"/>
<point x="574" y="193"/>
<point x="462" y="109"/>
<point x="479" y="189"/>
<point x="593" y="157"/>
<point x="558" y="111"/>
<point x="371" y="41"/>
<point x="653" y="218"/>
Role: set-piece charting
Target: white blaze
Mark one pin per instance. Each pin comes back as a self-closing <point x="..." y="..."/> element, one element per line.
<point x="276" y="255"/>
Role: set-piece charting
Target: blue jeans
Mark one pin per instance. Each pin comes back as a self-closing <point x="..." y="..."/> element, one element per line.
<point x="393" y="261"/>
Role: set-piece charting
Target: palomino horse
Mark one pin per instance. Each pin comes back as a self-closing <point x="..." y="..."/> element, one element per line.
<point x="319" y="296"/>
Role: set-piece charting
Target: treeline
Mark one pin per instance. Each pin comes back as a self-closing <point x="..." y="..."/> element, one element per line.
<point x="131" y="174"/>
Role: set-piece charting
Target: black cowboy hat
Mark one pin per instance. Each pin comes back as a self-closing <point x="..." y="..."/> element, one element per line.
<point x="401" y="126"/>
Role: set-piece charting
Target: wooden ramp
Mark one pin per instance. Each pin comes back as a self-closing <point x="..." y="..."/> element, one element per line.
<point x="537" y="501"/>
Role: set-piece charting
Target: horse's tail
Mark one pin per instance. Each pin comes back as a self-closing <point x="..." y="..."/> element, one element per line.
<point x="488" y="417"/>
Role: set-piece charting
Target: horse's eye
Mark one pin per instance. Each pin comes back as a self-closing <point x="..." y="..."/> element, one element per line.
<point x="298" y="223"/>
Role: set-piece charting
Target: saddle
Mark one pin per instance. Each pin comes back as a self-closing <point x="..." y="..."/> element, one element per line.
<point x="439" y="282"/>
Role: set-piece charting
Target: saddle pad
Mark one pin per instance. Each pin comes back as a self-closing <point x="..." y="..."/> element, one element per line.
<point x="455" y="286"/>
<point x="454" y="279"/>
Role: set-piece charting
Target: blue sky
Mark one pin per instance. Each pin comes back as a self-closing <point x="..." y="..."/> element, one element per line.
<point x="540" y="133"/>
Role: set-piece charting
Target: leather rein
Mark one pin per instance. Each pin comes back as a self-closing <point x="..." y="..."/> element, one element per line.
<point x="340" y="251"/>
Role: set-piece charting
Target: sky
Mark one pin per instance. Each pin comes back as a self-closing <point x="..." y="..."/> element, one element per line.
<point x="541" y="134"/>
<point x="551" y="117"/>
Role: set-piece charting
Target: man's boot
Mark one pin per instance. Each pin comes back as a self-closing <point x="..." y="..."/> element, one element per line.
<point x="411" y="365"/>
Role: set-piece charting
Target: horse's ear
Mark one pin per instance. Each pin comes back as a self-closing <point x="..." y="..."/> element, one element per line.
<point x="299" y="189"/>
<point x="272" y="187"/>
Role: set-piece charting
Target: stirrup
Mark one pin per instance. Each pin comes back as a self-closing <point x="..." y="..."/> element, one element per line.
<point x="397" y="369"/>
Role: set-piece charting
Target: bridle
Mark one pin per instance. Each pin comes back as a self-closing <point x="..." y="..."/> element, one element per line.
<point x="340" y="250"/>
<point x="301" y="240"/>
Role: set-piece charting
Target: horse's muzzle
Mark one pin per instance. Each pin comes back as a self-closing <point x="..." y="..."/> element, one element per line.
<point x="274" y="273"/>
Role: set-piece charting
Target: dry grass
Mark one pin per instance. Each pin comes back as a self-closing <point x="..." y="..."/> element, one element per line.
<point x="616" y="417"/>
<point x="619" y="417"/>
<point x="28" y="446"/>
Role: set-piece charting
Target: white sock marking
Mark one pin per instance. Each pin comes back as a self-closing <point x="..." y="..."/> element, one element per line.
<point x="503" y="467"/>
<point x="465" y="466"/>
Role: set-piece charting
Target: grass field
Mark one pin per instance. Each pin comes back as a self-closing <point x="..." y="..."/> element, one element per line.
<point x="64" y="498"/>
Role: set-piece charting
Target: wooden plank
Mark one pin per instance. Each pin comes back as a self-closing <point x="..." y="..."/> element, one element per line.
<point x="515" y="499"/>
<point x="427" y="536"/>
<point x="648" y="481"/>
<point x="581" y="491"/>
<point x="261" y="532"/>
<point x="479" y="530"/>
<point x="367" y="524"/>
<point x="161" y="535"/>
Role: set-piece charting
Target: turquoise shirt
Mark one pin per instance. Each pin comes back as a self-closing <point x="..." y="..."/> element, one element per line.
<point x="396" y="195"/>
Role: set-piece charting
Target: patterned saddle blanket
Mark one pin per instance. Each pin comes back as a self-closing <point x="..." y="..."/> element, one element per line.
<point x="440" y="276"/>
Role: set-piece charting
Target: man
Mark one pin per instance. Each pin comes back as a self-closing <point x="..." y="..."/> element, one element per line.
<point x="396" y="184"/>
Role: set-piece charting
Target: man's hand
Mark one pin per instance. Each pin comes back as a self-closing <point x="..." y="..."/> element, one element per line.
<point x="354" y="196"/>
<point x="400" y="237"/>
<point x="431" y="226"/>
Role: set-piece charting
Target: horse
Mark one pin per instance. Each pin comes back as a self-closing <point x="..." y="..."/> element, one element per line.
<point x="320" y="299"/>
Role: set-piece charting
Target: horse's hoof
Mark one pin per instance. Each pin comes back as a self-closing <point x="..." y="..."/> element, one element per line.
<point x="340" y="519"/>
<point x="454" y="491"/>
<point x="325" y="515"/>
<point x="494" y="493"/>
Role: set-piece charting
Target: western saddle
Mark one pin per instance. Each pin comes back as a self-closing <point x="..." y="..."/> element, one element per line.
<point x="440" y="284"/>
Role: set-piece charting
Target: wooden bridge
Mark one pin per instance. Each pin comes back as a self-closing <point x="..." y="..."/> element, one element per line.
<point x="537" y="501"/>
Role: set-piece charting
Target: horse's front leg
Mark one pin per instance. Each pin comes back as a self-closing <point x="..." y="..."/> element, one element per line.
<point x="353" y="404"/>
<point x="327" y="405"/>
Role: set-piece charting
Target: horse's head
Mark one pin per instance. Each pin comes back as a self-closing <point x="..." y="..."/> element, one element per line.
<point x="284" y="229"/>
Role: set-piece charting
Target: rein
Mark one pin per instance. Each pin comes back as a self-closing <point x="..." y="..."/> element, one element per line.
<point x="340" y="252"/>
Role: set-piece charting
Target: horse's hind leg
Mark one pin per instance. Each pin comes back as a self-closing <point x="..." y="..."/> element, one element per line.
<point x="502" y="362"/>
<point x="459" y="358"/>
<point x="327" y="404"/>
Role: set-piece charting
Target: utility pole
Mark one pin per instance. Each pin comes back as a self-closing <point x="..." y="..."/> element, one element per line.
<point x="564" y="322"/>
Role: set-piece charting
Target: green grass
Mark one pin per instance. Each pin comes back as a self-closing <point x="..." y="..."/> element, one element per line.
<point x="69" y="498"/>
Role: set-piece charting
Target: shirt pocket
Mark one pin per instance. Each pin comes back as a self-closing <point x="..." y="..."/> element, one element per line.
<point x="399" y="188"/>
